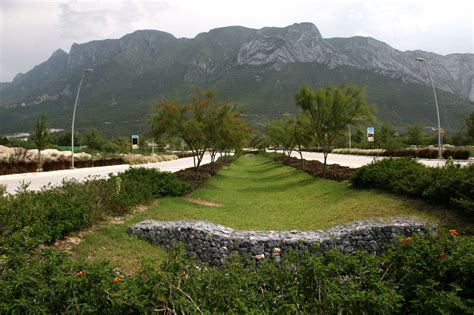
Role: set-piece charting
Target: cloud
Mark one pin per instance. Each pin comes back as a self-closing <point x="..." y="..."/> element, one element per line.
<point x="84" y="21"/>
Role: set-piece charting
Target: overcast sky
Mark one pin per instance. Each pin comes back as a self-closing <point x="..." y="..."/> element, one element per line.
<point x="31" y="30"/>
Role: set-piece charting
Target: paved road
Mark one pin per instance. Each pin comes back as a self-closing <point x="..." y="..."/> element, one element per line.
<point x="38" y="180"/>
<point x="359" y="160"/>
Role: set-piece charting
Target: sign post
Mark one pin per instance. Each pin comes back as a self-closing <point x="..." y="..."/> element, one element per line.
<point x="135" y="142"/>
<point x="370" y="134"/>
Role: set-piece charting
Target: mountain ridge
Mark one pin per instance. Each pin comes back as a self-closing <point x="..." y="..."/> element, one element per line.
<point x="150" y="64"/>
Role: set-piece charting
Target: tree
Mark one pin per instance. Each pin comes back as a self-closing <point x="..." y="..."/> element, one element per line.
<point x="358" y="136"/>
<point x="387" y="137"/>
<point x="470" y="125"/>
<point x="41" y="136"/>
<point x="281" y="133"/>
<point x="230" y="132"/>
<point x="202" y="124"/>
<point x="65" y="138"/>
<point x="92" y="139"/>
<point x="303" y="135"/>
<point x="4" y="141"/>
<point x="330" y="110"/>
<point x="414" y="134"/>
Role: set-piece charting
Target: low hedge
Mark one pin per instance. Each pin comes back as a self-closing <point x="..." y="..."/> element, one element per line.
<point x="419" y="275"/>
<point x="30" y="218"/>
<point x="459" y="154"/>
<point x="17" y="167"/>
<point x="452" y="185"/>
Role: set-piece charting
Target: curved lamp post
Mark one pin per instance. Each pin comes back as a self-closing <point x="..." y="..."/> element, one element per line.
<point x="440" y="153"/>
<point x="74" y="115"/>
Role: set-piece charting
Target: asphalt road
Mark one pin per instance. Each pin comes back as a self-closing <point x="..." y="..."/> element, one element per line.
<point x="38" y="180"/>
<point x="355" y="161"/>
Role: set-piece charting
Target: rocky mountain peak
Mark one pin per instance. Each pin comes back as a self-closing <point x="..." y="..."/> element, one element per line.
<point x="58" y="54"/>
<point x="303" y="30"/>
<point x="300" y="42"/>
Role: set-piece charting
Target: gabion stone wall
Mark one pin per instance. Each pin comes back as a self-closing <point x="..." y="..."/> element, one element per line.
<point x="213" y="243"/>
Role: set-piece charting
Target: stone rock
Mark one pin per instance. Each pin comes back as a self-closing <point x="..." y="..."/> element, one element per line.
<point x="260" y="257"/>
<point x="213" y="243"/>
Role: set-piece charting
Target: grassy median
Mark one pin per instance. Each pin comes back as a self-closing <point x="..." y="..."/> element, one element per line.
<point x="254" y="193"/>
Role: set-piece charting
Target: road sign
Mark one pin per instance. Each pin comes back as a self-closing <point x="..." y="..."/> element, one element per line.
<point x="370" y="134"/>
<point x="135" y="142"/>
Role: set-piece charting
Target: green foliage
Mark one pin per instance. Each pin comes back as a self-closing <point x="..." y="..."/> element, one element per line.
<point x="281" y="133"/>
<point x="458" y="154"/>
<point x="330" y="110"/>
<point x="137" y="185"/>
<point x="396" y="101"/>
<point x="92" y="139"/>
<point x="41" y="137"/>
<point x="414" y="134"/>
<point x="387" y="138"/>
<point x="358" y="137"/>
<point x="452" y="185"/>
<point x="470" y="125"/>
<point x="418" y="275"/>
<point x="30" y="218"/>
<point x="202" y="124"/>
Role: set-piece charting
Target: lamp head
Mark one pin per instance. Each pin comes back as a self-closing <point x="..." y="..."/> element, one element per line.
<point x="419" y="59"/>
<point x="88" y="70"/>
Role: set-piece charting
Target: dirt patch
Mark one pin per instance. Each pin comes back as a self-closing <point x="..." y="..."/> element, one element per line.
<point x="203" y="202"/>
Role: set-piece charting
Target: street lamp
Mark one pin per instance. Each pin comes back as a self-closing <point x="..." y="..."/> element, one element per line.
<point x="440" y="153"/>
<point x="74" y="116"/>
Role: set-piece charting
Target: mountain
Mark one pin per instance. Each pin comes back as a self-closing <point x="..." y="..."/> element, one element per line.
<point x="261" y="69"/>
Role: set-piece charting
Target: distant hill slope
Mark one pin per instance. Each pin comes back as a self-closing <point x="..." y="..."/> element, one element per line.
<point x="262" y="69"/>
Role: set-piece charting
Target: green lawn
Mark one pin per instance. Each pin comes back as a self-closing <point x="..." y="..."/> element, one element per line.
<point x="257" y="194"/>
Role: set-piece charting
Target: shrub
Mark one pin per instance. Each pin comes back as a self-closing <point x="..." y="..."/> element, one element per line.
<point x="424" y="275"/>
<point x="428" y="154"/>
<point x="30" y="218"/>
<point x="138" y="185"/>
<point x="456" y="154"/>
<point x="452" y="185"/>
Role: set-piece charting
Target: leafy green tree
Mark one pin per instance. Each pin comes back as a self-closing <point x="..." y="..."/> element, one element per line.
<point x="388" y="138"/>
<point x="92" y="139"/>
<point x="64" y="139"/>
<point x="303" y="135"/>
<point x="470" y="126"/>
<point x="187" y="121"/>
<point x="230" y="132"/>
<point x="414" y="134"/>
<point x="41" y="137"/>
<point x="281" y="133"/>
<point x="122" y="144"/>
<point x="330" y="110"/>
<point x="202" y="124"/>
<point x="358" y="136"/>
<point x="4" y="141"/>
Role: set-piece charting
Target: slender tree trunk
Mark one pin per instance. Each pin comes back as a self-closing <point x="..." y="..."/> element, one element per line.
<point x="300" y="151"/>
<point x="40" y="166"/>
<point x="325" y="153"/>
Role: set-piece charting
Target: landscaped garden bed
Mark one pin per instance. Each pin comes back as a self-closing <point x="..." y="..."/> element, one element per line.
<point x="112" y="272"/>
<point x="316" y="168"/>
